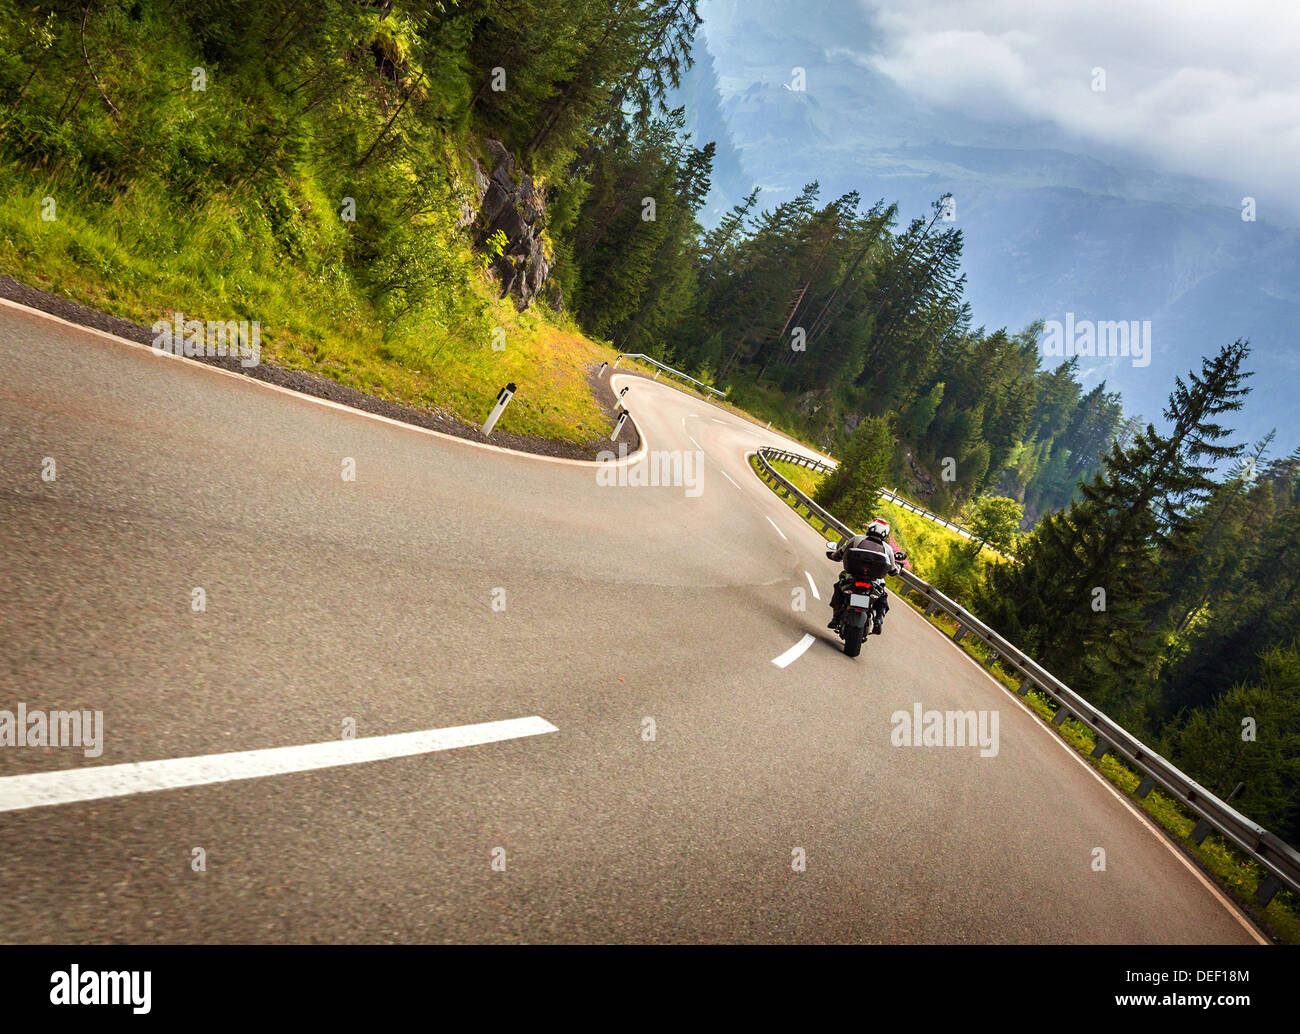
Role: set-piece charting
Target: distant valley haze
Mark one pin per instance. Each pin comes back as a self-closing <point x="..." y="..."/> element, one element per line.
<point x="1100" y="158"/>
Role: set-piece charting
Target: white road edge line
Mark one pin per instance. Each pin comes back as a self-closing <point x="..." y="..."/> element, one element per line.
<point x="1155" y="831"/>
<point x="812" y="585"/>
<point x="328" y="404"/>
<point x="795" y="652"/>
<point x="41" y="789"/>
<point x="778" y="530"/>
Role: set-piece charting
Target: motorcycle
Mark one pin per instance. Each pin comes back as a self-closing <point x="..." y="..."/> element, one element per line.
<point x="865" y="597"/>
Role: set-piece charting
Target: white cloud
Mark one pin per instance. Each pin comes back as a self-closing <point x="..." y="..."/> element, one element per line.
<point x="1205" y="88"/>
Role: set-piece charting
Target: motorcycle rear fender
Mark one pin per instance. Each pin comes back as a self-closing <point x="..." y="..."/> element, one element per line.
<point x="855" y="618"/>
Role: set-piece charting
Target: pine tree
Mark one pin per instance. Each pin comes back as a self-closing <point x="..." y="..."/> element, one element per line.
<point x="919" y="418"/>
<point x="1210" y="744"/>
<point x="852" y="491"/>
<point x="1257" y="610"/>
<point x="1087" y="577"/>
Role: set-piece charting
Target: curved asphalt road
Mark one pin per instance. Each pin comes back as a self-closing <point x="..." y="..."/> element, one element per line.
<point x="372" y="600"/>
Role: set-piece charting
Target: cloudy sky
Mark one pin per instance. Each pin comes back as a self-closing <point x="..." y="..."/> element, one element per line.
<point x="1122" y="203"/>
<point x="1210" y="89"/>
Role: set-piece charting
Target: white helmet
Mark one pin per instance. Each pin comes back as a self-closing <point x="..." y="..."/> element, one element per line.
<point x="879" y="528"/>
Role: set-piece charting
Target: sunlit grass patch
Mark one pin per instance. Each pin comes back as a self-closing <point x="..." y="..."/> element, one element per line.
<point x="138" y="258"/>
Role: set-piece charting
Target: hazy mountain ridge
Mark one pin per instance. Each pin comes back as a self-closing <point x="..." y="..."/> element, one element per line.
<point x="702" y="99"/>
<point x="1051" y="225"/>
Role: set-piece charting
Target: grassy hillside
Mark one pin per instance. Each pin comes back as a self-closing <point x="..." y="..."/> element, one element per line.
<point x="141" y="194"/>
<point x="942" y="557"/>
<point x="801" y="477"/>
<point x="139" y="257"/>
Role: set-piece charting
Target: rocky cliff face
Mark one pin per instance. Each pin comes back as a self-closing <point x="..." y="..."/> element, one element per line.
<point x="509" y="202"/>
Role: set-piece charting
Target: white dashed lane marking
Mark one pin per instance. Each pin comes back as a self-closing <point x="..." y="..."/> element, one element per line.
<point x="773" y="523"/>
<point x="795" y="652"/>
<point x="812" y="585"/>
<point x="40" y="789"/>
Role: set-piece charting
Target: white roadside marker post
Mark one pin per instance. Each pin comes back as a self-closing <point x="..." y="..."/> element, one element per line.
<point x="601" y="372"/>
<point x="618" y="402"/>
<point x="618" y="360"/>
<point x="622" y="417"/>
<point x="503" y="398"/>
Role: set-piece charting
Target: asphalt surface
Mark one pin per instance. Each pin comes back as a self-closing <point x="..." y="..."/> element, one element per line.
<point x="372" y="600"/>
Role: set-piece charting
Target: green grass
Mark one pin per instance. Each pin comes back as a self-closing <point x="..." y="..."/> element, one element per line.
<point x="1238" y="874"/>
<point x="138" y="258"/>
<point x="928" y="544"/>
<point x="767" y="403"/>
<point x="802" y="478"/>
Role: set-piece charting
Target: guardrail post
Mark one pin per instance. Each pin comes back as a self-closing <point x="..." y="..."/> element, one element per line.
<point x="1145" y="787"/>
<point x="503" y="399"/>
<point x="1200" y="831"/>
<point x="1099" y="751"/>
<point x="991" y="658"/>
<point x="959" y="634"/>
<point x="1061" y="715"/>
<point x="1268" y="886"/>
<point x="1026" y="684"/>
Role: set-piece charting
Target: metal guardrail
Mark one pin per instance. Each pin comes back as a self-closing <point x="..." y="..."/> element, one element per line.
<point x="799" y="460"/>
<point x="668" y="369"/>
<point x="1278" y="859"/>
<point x="826" y="518"/>
<point x="786" y="456"/>
<point x="921" y="511"/>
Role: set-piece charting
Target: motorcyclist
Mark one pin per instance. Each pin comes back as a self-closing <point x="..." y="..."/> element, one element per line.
<point x="863" y="556"/>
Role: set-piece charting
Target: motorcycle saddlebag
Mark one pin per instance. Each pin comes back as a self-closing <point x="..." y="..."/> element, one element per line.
<point x="867" y="561"/>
